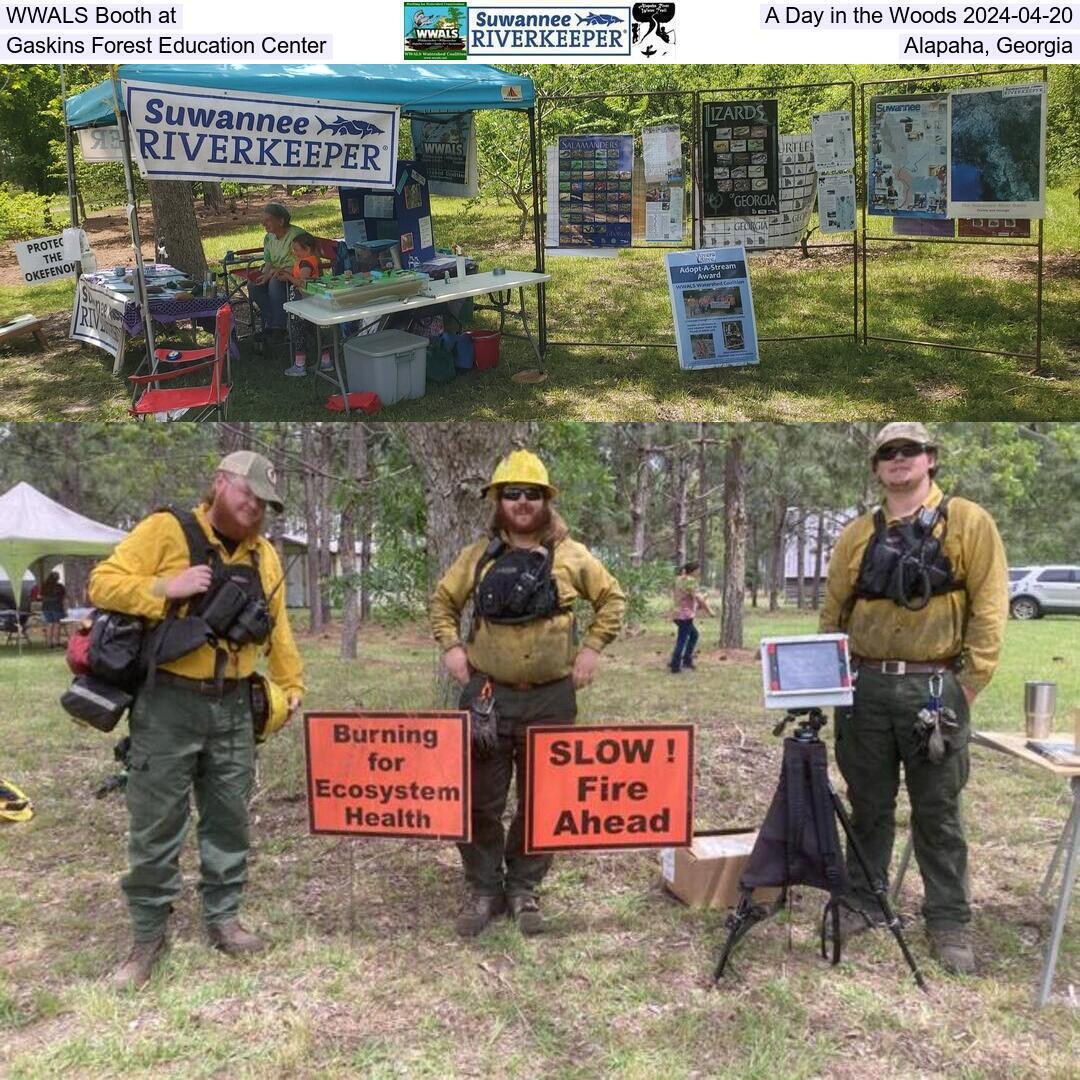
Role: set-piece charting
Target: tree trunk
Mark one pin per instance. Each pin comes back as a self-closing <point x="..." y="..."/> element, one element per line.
<point x="818" y="559"/>
<point x="776" y="554"/>
<point x="326" y="518"/>
<point x="236" y="435"/>
<point x="735" y="528"/>
<point x="754" y="565"/>
<point x="455" y="461"/>
<point x="308" y="443"/>
<point x="800" y="540"/>
<point x="680" y="476"/>
<point x="355" y="469"/>
<point x="363" y="466"/>
<point x="278" y="521"/>
<point x="639" y="502"/>
<point x="703" y="505"/>
<point x="173" y="205"/>
<point x="212" y="196"/>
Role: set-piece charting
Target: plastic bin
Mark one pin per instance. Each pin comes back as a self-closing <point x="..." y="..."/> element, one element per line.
<point x="391" y="363"/>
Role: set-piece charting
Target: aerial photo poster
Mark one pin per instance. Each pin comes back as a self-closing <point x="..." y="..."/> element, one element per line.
<point x="595" y="174"/>
<point x="909" y="156"/>
<point x="712" y="308"/>
<point x="997" y="152"/>
<point x="742" y="159"/>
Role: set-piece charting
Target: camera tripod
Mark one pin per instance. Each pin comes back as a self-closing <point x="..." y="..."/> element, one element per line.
<point x="798" y="844"/>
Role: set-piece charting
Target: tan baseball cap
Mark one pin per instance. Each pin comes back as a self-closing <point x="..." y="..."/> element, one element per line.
<point x="905" y="431"/>
<point x="259" y="472"/>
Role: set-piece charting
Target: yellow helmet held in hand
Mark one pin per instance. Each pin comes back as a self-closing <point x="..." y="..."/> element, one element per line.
<point x="521" y="467"/>
<point x="269" y="707"/>
<point x="14" y="805"/>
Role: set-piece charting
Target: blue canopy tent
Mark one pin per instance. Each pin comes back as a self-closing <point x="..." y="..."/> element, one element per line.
<point x="418" y="89"/>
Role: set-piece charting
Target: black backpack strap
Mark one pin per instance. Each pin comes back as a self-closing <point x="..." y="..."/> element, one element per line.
<point x="495" y="548"/>
<point x="200" y="550"/>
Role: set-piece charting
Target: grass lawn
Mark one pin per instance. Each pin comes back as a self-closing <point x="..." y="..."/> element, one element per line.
<point x="980" y="296"/>
<point x="621" y="986"/>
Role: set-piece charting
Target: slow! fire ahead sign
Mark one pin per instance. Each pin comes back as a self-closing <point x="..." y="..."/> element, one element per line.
<point x="389" y="774"/>
<point x="620" y="786"/>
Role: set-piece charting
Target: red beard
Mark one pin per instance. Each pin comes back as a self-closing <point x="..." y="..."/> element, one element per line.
<point x="537" y="524"/>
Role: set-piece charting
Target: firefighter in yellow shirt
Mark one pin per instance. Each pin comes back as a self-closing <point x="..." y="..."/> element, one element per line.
<point x="519" y="664"/>
<point x="920" y="586"/>
<point x="191" y="724"/>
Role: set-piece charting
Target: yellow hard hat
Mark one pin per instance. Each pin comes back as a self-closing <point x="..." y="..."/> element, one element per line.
<point x="269" y="707"/>
<point x="521" y="467"/>
<point x="14" y="805"/>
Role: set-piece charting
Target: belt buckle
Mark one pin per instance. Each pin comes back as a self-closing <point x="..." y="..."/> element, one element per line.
<point x="894" y="667"/>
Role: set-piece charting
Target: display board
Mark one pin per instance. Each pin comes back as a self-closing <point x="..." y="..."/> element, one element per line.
<point x="712" y="308"/>
<point x="741" y="155"/>
<point x="836" y="203"/>
<point x="908" y="173"/>
<point x="834" y="141"/>
<point x="997" y="152"/>
<point x="402" y="215"/>
<point x="595" y="190"/>
<point x="665" y="185"/>
<point x="96" y="317"/>
<point x="44" y="259"/>
<point x="445" y="150"/>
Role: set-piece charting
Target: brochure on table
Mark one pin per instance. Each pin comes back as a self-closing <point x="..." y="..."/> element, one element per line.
<point x="712" y="308"/>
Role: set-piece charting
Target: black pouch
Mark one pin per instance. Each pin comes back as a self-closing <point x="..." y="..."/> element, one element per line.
<point x="116" y="647"/>
<point x="93" y="702"/>
<point x="177" y="637"/>
<point x="227" y="602"/>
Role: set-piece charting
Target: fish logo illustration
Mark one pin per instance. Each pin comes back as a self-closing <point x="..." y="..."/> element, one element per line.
<point x="597" y="20"/>
<point x="341" y="126"/>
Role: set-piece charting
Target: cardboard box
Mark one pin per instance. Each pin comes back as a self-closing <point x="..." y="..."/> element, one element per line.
<point x="706" y="874"/>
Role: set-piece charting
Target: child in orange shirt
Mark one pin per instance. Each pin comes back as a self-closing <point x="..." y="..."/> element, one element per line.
<point x="305" y="250"/>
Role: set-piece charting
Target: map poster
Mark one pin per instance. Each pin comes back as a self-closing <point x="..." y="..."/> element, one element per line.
<point x="908" y="173"/>
<point x="834" y="144"/>
<point x="741" y="173"/>
<point x="997" y="152"/>
<point x="595" y="190"/>
<point x="836" y="203"/>
<point x="1016" y="227"/>
<point x="712" y="308"/>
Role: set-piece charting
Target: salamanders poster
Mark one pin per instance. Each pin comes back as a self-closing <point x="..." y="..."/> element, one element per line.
<point x="712" y="308"/>
<point x="595" y="174"/>
<point x="997" y="152"/>
<point x="909" y="156"/>
<point x="741" y="159"/>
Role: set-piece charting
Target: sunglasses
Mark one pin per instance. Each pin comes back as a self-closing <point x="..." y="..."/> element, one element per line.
<point x="512" y="494"/>
<point x="904" y="450"/>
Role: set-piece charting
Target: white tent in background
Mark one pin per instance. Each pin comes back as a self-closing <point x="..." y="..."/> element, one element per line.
<point x="35" y="527"/>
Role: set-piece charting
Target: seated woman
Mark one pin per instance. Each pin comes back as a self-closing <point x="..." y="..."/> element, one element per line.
<point x="271" y="289"/>
<point x="305" y="250"/>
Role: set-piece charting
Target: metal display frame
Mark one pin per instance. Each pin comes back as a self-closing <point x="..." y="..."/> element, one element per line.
<point x="1020" y="243"/>
<point x="697" y="97"/>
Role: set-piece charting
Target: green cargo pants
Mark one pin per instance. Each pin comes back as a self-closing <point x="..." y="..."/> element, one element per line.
<point x="495" y="861"/>
<point x="873" y="739"/>
<point x="181" y="742"/>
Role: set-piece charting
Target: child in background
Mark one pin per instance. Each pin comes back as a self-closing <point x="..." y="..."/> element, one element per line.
<point x="305" y="249"/>
<point x="688" y="601"/>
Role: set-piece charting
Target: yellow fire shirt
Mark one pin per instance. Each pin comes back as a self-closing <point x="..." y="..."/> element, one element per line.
<point x="539" y="651"/>
<point x="132" y="579"/>
<point x="969" y="622"/>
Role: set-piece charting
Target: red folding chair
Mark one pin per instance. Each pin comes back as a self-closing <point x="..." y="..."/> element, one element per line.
<point x="205" y="400"/>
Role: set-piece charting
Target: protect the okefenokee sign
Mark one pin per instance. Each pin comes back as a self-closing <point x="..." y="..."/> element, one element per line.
<point x="813" y="670"/>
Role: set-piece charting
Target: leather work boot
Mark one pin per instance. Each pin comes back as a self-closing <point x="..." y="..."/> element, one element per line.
<point x="134" y="973"/>
<point x="477" y="910"/>
<point x="233" y="940"/>
<point x="951" y="947"/>
<point x="525" y="910"/>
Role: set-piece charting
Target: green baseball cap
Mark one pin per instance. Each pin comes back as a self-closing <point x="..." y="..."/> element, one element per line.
<point x="259" y="472"/>
<point x="907" y="431"/>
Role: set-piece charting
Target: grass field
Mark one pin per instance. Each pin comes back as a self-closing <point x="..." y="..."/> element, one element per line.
<point x="378" y="985"/>
<point x="980" y="296"/>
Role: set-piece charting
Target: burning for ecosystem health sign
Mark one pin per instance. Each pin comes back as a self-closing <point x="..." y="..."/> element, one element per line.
<point x="209" y="134"/>
<point x="622" y="786"/>
<point x="389" y="774"/>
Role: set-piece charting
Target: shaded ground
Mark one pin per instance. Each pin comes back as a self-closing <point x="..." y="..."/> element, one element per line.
<point x="368" y="979"/>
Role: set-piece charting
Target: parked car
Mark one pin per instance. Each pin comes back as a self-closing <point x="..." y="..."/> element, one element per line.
<point x="1035" y="591"/>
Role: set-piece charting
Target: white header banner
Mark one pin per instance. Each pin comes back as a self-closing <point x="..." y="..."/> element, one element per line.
<point x="206" y="134"/>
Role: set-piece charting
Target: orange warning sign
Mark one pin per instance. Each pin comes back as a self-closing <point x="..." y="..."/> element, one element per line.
<point x="389" y="774"/>
<point x="609" y="787"/>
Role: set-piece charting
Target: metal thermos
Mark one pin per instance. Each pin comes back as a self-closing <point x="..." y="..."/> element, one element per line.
<point x="1040" y="698"/>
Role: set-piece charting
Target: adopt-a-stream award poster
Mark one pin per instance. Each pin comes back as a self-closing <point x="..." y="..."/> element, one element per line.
<point x="742" y="158"/>
<point x="712" y="308"/>
<point x="595" y="187"/>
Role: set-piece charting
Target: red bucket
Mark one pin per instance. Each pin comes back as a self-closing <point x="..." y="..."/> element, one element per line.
<point x="486" y="347"/>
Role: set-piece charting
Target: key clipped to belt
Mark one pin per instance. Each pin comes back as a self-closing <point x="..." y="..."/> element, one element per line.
<point x="485" y="734"/>
<point x="933" y="721"/>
